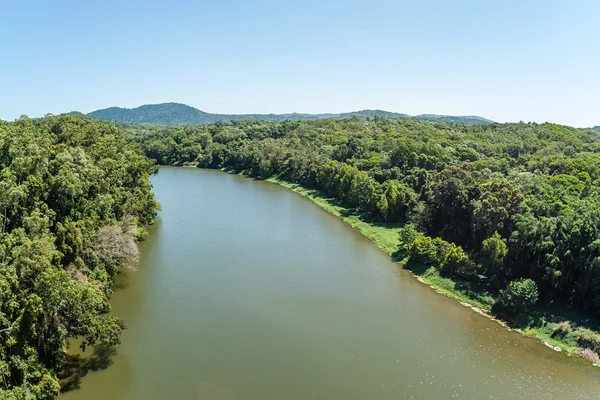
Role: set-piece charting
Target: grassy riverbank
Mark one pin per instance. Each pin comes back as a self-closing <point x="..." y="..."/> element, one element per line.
<point x="558" y="327"/>
<point x="386" y="237"/>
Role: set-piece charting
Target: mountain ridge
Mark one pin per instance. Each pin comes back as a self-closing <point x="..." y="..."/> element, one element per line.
<point x="455" y="118"/>
<point x="182" y="114"/>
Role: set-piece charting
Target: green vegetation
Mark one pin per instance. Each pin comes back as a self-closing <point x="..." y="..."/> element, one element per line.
<point x="181" y="114"/>
<point x="520" y="296"/>
<point x="74" y="198"/>
<point x="449" y="119"/>
<point x="483" y="206"/>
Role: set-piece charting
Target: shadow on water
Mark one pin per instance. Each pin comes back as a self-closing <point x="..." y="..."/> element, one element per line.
<point x="76" y="366"/>
<point x="121" y="282"/>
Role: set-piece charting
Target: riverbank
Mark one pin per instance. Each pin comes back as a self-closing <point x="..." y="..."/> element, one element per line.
<point x="557" y="327"/>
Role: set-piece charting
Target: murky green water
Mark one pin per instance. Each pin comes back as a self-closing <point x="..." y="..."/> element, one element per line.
<point x="246" y="290"/>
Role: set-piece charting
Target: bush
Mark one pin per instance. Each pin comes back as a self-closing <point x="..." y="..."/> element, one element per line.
<point x="455" y="261"/>
<point x="562" y="329"/>
<point x="493" y="253"/>
<point x="587" y="338"/>
<point x="519" y="296"/>
<point x="408" y="234"/>
<point x="428" y="251"/>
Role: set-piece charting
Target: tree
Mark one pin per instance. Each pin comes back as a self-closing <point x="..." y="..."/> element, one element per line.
<point x="448" y="212"/>
<point x="519" y="296"/>
<point x="401" y="200"/>
<point x="493" y="252"/>
<point x="407" y="235"/>
<point x="493" y="211"/>
<point x="383" y="207"/>
<point x="455" y="261"/>
<point x="428" y="251"/>
<point x="115" y="247"/>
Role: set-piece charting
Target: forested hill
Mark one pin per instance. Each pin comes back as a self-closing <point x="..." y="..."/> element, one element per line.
<point x="457" y="120"/>
<point x="181" y="114"/>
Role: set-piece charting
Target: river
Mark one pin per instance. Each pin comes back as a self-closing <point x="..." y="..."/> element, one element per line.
<point x="246" y="290"/>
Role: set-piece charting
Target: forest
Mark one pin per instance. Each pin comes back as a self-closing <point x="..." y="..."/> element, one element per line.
<point x="510" y="210"/>
<point x="75" y="197"/>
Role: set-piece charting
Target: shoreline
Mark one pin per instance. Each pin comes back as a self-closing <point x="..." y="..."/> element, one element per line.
<point x="386" y="238"/>
<point x="374" y="234"/>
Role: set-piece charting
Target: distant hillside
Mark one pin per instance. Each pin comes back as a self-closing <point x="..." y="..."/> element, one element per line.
<point x="458" y="120"/>
<point x="181" y="114"/>
<point x="597" y="128"/>
<point x="167" y="113"/>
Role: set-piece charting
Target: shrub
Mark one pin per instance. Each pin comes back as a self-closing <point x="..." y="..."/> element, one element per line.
<point x="428" y="251"/>
<point x="493" y="252"/>
<point x="587" y="338"/>
<point x="455" y="261"/>
<point x="563" y="329"/>
<point x="519" y="296"/>
<point x="408" y="234"/>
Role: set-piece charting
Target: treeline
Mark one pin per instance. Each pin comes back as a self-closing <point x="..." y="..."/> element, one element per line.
<point x="74" y="198"/>
<point x="494" y="203"/>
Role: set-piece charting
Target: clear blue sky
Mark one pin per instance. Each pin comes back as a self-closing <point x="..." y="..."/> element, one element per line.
<point x="505" y="60"/>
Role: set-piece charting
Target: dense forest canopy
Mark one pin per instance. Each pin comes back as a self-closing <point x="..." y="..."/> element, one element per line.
<point x="181" y="114"/>
<point x="74" y="199"/>
<point x="493" y="203"/>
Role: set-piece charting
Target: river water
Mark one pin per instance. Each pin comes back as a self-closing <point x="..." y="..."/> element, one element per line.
<point x="246" y="290"/>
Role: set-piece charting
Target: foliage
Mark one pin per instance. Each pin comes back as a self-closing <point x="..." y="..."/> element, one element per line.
<point x="65" y="184"/>
<point x="428" y="251"/>
<point x="456" y="262"/>
<point x="520" y="296"/>
<point x="407" y="235"/>
<point x="493" y="253"/>
<point x="113" y="246"/>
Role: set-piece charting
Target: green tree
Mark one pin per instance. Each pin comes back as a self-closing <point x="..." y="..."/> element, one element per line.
<point x="428" y="251"/>
<point x="455" y="261"/>
<point x="519" y="296"/>
<point x="493" y="253"/>
<point x="407" y="235"/>
<point x="383" y="207"/>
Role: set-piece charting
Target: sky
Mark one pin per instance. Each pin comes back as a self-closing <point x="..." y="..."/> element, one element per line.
<point x="506" y="60"/>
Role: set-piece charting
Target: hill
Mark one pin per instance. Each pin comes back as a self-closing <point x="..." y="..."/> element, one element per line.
<point x="458" y="120"/>
<point x="181" y="114"/>
<point x="167" y="113"/>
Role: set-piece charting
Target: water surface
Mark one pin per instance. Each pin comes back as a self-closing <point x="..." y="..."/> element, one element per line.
<point x="246" y="290"/>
